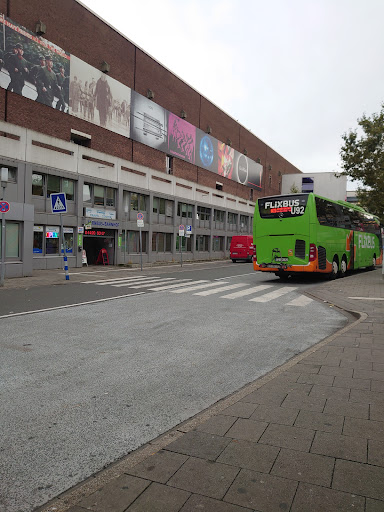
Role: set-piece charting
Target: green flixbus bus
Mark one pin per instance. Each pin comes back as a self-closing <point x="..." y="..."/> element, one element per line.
<point x="308" y="233"/>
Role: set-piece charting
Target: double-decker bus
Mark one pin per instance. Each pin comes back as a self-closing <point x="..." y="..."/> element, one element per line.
<point x="308" y="233"/>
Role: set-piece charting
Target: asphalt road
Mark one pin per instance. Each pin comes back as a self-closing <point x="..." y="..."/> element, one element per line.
<point x="82" y="386"/>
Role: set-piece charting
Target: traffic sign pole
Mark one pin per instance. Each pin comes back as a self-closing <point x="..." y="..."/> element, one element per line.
<point x="3" y="210"/>
<point x="63" y="249"/>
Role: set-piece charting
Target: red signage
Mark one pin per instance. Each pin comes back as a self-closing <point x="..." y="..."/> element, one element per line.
<point x="99" y="232"/>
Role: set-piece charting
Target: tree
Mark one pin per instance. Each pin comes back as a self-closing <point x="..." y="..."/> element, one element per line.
<point x="362" y="158"/>
<point x="294" y="189"/>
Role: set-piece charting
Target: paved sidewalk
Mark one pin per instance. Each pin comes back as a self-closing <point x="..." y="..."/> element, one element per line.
<point x="308" y="437"/>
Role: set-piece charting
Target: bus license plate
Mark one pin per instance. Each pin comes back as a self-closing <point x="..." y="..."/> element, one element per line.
<point x="281" y="259"/>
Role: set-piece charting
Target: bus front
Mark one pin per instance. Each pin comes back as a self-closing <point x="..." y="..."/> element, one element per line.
<point x="281" y="234"/>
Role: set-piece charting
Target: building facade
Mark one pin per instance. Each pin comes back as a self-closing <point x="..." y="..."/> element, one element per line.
<point x="137" y="151"/>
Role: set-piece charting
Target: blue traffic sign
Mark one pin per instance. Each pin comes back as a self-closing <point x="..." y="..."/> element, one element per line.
<point x="59" y="203"/>
<point x="4" y="206"/>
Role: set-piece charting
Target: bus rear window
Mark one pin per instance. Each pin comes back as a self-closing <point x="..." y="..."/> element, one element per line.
<point x="282" y="207"/>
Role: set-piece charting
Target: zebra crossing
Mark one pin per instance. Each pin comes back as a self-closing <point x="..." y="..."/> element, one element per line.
<point x="203" y="288"/>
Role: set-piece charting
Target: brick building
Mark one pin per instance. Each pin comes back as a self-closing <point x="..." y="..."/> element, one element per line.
<point x="120" y="134"/>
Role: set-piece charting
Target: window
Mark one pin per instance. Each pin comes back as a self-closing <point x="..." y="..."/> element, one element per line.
<point x="12" y="173"/>
<point x="162" y="206"/>
<point x="219" y="186"/>
<point x="219" y="215"/>
<point x="243" y="221"/>
<point x="52" y="240"/>
<point x="229" y="239"/>
<point x="169" y="164"/>
<point x="12" y="240"/>
<point x="218" y="243"/>
<point x="98" y="195"/>
<point x="38" y="234"/>
<point x="184" y="210"/>
<point x="133" y="242"/>
<point x="138" y="202"/>
<point x="37" y="184"/>
<point x="161" y="242"/>
<point x="202" y="243"/>
<point x="68" y="240"/>
<point x="203" y="213"/>
<point x="307" y="184"/>
<point x="53" y="184"/>
<point x="186" y="243"/>
<point x="47" y="184"/>
<point x="232" y="218"/>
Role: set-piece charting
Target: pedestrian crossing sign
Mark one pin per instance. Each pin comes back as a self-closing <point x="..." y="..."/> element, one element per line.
<point x="59" y="203"/>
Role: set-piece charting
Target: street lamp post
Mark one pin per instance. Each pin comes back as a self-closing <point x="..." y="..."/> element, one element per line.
<point x="4" y="183"/>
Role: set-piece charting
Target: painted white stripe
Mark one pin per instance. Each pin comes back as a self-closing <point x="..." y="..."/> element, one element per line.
<point x="72" y="305"/>
<point x="199" y="287"/>
<point x="221" y="289"/>
<point x="273" y="295"/>
<point x="168" y="287"/>
<point x="142" y="281"/>
<point x="367" y="298"/>
<point x="107" y="281"/>
<point x="147" y="285"/>
<point x="237" y="275"/>
<point x="303" y="300"/>
<point x="249" y="291"/>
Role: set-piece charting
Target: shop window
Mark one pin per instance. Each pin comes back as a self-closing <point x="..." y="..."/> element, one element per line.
<point x="161" y="242"/>
<point x="133" y="242"/>
<point x="12" y="240"/>
<point x="38" y="237"/>
<point x="202" y="243"/>
<point x="52" y="240"/>
<point x="186" y="243"/>
<point x="218" y="243"/>
<point x="68" y="240"/>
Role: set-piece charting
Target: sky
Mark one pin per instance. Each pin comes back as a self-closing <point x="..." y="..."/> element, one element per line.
<point x="297" y="73"/>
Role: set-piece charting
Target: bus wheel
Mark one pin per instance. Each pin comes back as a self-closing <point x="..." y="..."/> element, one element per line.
<point x="282" y="275"/>
<point x="373" y="266"/>
<point x="335" y="270"/>
<point x="343" y="268"/>
<point x="233" y="261"/>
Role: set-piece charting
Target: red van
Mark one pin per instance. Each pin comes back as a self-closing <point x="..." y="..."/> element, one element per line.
<point x="241" y="248"/>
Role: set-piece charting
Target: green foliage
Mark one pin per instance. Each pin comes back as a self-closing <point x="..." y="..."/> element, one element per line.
<point x="294" y="189"/>
<point x="362" y="156"/>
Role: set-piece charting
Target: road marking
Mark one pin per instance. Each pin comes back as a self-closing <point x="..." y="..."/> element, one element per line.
<point x="148" y="281"/>
<point x="237" y="275"/>
<point x="193" y="288"/>
<point x="107" y="281"/>
<point x="273" y="295"/>
<point x="221" y="289"/>
<point x="367" y="298"/>
<point x="249" y="291"/>
<point x="303" y="300"/>
<point x="71" y="305"/>
<point x="168" y="287"/>
<point x="162" y="281"/>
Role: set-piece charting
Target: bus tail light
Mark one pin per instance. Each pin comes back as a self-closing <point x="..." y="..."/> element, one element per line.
<point x="312" y="252"/>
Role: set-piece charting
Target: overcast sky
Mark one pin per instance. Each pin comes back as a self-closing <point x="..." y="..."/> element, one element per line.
<point x="297" y="73"/>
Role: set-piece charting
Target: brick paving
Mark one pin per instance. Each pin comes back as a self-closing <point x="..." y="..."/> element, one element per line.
<point x="309" y="437"/>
